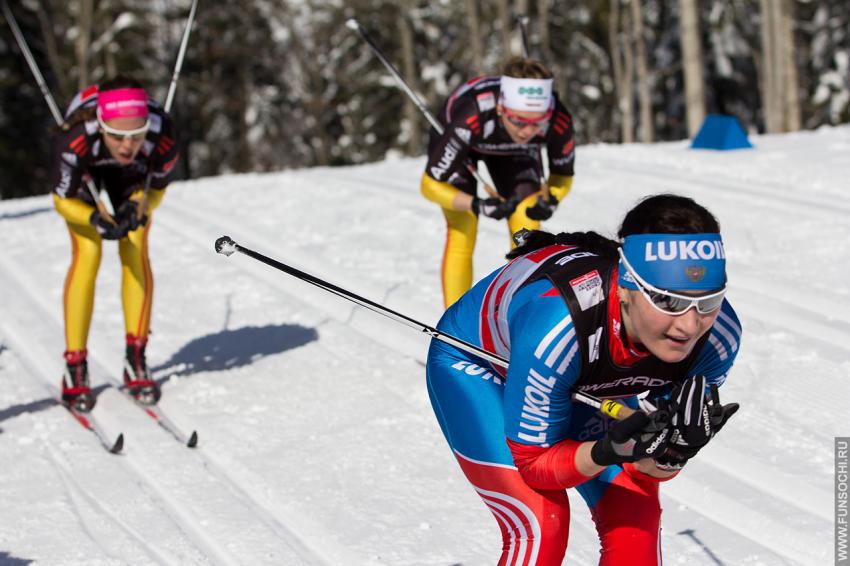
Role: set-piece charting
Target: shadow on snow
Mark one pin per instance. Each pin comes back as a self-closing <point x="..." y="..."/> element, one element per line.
<point x="14" y="216"/>
<point x="222" y="351"/>
<point x="7" y="559"/>
<point x="230" y="349"/>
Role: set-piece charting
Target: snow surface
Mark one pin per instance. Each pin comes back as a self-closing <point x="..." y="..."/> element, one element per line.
<point x="317" y="441"/>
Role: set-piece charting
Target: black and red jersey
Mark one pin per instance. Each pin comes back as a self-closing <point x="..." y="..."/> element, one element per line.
<point x="472" y="129"/>
<point x="80" y="152"/>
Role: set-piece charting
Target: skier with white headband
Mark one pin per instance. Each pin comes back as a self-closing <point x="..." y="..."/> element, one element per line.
<point x="115" y="137"/>
<point x="643" y="320"/>
<point x="503" y="121"/>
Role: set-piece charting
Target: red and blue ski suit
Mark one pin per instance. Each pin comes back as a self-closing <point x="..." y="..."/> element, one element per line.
<point x="554" y="313"/>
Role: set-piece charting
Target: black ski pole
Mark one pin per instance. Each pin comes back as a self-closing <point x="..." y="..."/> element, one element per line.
<point x="353" y="24"/>
<point x="54" y="109"/>
<point x="172" y="88"/>
<point x="226" y="246"/>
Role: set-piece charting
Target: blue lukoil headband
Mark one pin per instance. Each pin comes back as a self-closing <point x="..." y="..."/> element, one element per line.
<point x="675" y="262"/>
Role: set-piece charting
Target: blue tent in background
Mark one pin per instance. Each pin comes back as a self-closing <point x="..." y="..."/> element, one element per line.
<point x="720" y="131"/>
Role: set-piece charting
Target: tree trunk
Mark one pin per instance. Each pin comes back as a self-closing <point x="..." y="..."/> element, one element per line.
<point x="411" y="113"/>
<point x="84" y="26"/>
<point x="472" y="22"/>
<point x="647" y="130"/>
<point x="628" y="83"/>
<point x="244" y="157"/>
<point x="507" y="27"/>
<point x="311" y="85"/>
<point x="770" y="79"/>
<point x="791" y="80"/>
<point x="63" y="84"/>
<point x="622" y="77"/>
<point x="692" y="66"/>
<point x="522" y="8"/>
<point x="543" y="30"/>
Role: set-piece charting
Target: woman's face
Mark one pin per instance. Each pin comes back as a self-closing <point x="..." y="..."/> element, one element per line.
<point x="124" y="148"/>
<point x="670" y="338"/>
<point x="522" y="125"/>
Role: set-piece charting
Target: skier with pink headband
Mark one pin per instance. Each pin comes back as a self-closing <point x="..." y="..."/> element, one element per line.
<point x="117" y="138"/>
<point x="503" y="121"/>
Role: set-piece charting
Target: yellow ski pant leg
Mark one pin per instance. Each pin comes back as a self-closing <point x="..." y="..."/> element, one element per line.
<point x="461" y="230"/>
<point x="518" y="220"/>
<point x="78" y="297"/>
<point x="136" y="281"/>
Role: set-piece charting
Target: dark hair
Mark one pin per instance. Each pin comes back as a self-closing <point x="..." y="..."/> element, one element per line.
<point x="119" y="81"/>
<point x="524" y="68"/>
<point x="590" y="241"/>
<point x="668" y="214"/>
<point x="657" y="214"/>
<point x="87" y="113"/>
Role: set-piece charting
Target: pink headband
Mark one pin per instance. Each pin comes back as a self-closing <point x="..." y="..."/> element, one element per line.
<point x="122" y="103"/>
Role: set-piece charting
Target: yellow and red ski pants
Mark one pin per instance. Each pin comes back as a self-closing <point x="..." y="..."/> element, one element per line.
<point x="462" y="229"/>
<point x="86" y="250"/>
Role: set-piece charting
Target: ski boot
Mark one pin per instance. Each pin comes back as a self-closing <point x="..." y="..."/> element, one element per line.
<point x="75" y="382"/>
<point x="136" y="377"/>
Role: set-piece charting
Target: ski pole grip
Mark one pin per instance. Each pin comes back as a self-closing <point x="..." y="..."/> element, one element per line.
<point x="615" y="410"/>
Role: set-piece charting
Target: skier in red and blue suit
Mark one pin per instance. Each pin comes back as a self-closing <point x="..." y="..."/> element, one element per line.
<point x="643" y="320"/>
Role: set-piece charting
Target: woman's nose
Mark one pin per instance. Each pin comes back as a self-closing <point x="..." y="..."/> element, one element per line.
<point x="688" y="321"/>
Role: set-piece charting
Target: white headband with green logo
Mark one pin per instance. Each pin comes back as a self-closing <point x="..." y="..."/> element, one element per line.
<point x="529" y="95"/>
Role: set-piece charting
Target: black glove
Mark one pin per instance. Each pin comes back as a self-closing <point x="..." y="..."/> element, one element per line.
<point x="128" y="215"/>
<point x="697" y="420"/>
<point x="543" y="208"/>
<point x="106" y="229"/>
<point x="639" y="436"/>
<point x="493" y="207"/>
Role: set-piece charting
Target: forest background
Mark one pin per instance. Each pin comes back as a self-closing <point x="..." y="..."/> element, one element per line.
<point x="274" y="84"/>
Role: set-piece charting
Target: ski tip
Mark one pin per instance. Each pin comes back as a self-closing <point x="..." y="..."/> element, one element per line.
<point x="225" y="245"/>
<point x="119" y="444"/>
<point x="351" y="23"/>
<point x="193" y="439"/>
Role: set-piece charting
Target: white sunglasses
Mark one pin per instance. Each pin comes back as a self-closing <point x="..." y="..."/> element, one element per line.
<point x="674" y="303"/>
<point x="135" y="134"/>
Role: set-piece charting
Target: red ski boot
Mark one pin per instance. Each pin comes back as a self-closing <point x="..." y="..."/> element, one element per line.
<point x="75" y="382"/>
<point x="136" y="376"/>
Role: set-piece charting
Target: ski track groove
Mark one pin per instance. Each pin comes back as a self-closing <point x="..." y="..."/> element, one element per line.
<point x="73" y="486"/>
<point x="737" y="188"/>
<point x="296" y="290"/>
<point x="180" y="516"/>
<point x="202" y="543"/>
<point x="741" y="517"/>
<point x="767" y="532"/>
<point x="415" y="201"/>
